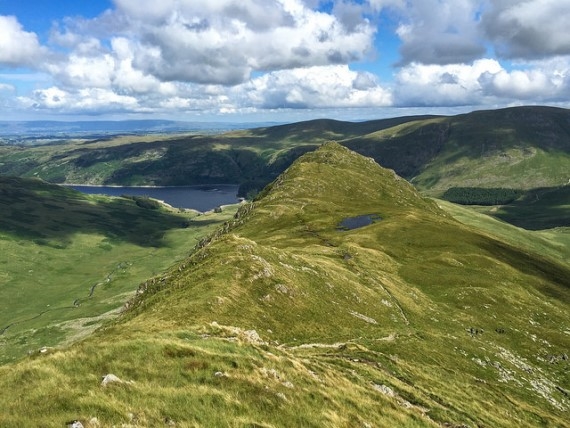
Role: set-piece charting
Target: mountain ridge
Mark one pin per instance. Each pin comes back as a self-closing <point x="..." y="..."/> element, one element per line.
<point x="285" y="318"/>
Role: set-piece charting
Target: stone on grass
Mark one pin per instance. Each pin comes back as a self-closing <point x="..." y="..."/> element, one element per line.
<point x="111" y="378"/>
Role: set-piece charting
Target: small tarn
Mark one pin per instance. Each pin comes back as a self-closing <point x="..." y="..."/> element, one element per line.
<point x="351" y="223"/>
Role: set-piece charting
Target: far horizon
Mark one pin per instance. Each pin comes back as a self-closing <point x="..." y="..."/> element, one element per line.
<point x="280" y="116"/>
<point x="282" y="61"/>
<point x="14" y="131"/>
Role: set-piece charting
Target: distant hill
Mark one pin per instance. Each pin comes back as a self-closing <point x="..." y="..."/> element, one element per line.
<point x="520" y="148"/>
<point x="339" y="297"/>
<point x="524" y="147"/>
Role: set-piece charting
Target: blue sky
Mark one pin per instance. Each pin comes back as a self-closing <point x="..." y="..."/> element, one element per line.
<point x="38" y="15"/>
<point x="283" y="60"/>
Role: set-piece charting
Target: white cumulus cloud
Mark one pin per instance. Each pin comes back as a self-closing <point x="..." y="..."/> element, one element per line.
<point x="236" y="56"/>
<point x="316" y="87"/>
<point x="528" y="28"/>
<point x="439" y="31"/>
<point x="223" y="42"/>
<point x="18" y="47"/>
<point x="443" y="85"/>
<point x="86" y="100"/>
<point x="6" y="87"/>
<point x="483" y="81"/>
<point x="547" y="81"/>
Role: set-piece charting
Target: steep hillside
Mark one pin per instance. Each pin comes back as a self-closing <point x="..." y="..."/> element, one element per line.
<point x="523" y="148"/>
<point x="69" y="260"/>
<point x="339" y="297"/>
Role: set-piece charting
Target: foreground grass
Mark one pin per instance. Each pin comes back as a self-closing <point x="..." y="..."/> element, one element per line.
<point x="194" y="381"/>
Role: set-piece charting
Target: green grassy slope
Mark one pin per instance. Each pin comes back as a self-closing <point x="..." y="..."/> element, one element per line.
<point x="283" y="318"/>
<point x="553" y="243"/>
<point x="69" y="260"/>
<point x="523" y="148"/>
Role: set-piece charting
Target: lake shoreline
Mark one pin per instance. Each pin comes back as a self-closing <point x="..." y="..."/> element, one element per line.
<point x="145" y="187"/>
<point x="200" y="197"/>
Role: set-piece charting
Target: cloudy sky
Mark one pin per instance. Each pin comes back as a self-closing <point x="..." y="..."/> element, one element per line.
<point x="284" y="60"/>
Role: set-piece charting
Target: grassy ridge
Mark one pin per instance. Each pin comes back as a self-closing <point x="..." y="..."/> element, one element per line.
<point x="553" y="243"/>
<point x="283" y="319"/>
<point x="69" y="260"/>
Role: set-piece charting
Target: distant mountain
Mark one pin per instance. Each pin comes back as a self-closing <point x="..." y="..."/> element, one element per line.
<point x="339" y="297"/>
<point x="518" y="149"/>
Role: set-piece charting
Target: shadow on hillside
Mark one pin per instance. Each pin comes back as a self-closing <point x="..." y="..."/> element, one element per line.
<point x="50" y="215"/>
<point x="556" y="277"/>
<point x="182" y="163"/>
<point x="190" y="164"/>
<point x="406" y="154"/>
<point x="540" y="209"/>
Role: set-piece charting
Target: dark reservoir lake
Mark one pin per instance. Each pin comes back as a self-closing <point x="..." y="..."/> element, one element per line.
<point x="201" y="198"/>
